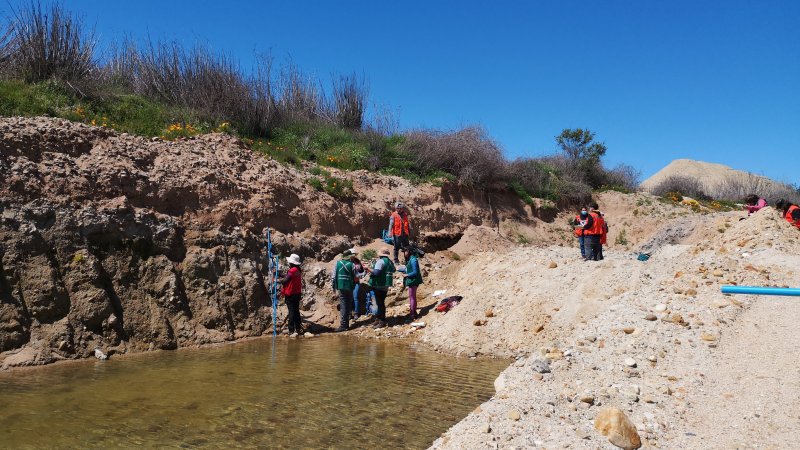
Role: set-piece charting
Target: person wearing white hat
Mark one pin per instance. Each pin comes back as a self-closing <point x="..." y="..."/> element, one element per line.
<point x="293" y="292"/>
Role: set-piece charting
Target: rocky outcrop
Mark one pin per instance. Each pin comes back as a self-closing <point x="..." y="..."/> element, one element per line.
<point x="123" y="243"/>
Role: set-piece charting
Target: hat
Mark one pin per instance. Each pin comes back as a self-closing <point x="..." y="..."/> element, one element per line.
<point x="293" y="259"/>
<point x="347" y="252"/>
<point x="384" y="251"/>
<point x="399" y="205"/>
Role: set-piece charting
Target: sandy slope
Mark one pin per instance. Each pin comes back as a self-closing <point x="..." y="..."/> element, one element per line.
<point x="705" y="363"/>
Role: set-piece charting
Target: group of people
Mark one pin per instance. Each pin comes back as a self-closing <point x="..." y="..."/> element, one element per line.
<point x="349" y="273"/>
<point x="591" y="230"/>
<point x="787" y="209"/>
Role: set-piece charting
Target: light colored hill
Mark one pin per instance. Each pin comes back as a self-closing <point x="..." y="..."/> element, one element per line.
<point x="712" y="175"/>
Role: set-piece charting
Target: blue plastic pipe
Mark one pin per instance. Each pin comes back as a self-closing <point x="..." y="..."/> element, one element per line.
<point x="756" y="290"/>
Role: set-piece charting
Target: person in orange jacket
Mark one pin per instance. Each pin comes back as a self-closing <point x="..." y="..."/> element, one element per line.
<point x="790" y="211"/>
<point x="399" y="228"/>
<point x="593" y="230"/>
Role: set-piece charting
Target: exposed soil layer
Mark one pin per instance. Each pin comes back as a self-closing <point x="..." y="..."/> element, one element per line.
<point x="122" y="243"/>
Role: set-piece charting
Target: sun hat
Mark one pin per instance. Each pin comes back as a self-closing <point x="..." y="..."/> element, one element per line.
<point x="384" y="251"/>
<point x="293" y="259"/>
<point x="348" y="252"/>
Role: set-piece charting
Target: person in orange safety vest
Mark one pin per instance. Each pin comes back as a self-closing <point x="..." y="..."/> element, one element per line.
<point x="790" y="211"/>
<point x="399" y="228"/>
<point x="593" y="230"/>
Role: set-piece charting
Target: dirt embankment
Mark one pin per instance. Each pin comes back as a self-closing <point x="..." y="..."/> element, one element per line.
<point x="122" y="243"/>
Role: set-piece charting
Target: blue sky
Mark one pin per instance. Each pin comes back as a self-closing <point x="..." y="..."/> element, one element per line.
<point x="656" y="80"/>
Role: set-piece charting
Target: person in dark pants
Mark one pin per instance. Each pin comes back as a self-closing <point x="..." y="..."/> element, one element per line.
<point x="593" y="231"/>
<point x="360" y="274"/>
<point x="380" y="279"/>
<point x="293" y="292"/>
<point x="343" y="281"/>
<point x="579" y="222"/>
<point x="399" y="228"/>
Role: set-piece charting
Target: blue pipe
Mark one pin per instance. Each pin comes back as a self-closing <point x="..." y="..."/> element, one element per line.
<point x="756" y="290"/>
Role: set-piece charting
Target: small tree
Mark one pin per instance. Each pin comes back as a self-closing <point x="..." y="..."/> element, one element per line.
<point x="577" y="145"/>
<point x="583" y="154"/>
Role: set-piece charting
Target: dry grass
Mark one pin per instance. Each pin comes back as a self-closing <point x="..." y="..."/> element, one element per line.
<point x="469" y="154"/>
<point x="39" y="44"/>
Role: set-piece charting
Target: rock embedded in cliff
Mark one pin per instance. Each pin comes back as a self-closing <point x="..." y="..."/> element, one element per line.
<point x="620" y="431"/>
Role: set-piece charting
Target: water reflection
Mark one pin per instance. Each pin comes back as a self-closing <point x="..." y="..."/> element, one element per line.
<point x="331" y="392"/>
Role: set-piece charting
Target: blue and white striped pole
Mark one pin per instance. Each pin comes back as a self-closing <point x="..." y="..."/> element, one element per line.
<point x="756" y="290"/>
<point x="275" y="299"/>
<point x="273" y="261"/>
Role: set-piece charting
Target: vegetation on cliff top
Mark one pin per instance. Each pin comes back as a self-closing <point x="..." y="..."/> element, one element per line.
<point x="49" y="65"/>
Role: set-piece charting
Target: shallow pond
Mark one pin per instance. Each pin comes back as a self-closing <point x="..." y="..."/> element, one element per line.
<point x="326" y="392"/>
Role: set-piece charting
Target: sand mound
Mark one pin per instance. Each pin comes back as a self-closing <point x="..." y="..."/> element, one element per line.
<point x="711" y="175"/>
<point x="478" y="239"/>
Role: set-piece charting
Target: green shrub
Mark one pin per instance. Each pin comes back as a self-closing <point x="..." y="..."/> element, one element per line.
<point x="621" y="238"/>
<point x="368" y="254"/>
<point x="316" y="183"/>
<point x="339" y="188"/>
<point x="49" y="98"/>
<point x="521" y="192"/>
<point x="336" y="187"/>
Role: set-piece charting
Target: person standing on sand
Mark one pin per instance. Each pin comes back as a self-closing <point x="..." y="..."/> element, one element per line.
<point x="380" y="279"/>
<point x="293" y="292"/>
<point x="790" y="211"/>
<point x="593" y="230"/>
<point x="412" y="279"/>
<point x="754" y="203"/>
<point x="344" y="280"/>
<point x="399" y="228"/>
<point x="579" y="222"/>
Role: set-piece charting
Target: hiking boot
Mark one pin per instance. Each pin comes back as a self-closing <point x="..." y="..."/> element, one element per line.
<point x="379" y="324"/>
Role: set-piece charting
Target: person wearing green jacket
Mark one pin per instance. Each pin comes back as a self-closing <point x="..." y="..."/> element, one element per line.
<point x="344" y="281"/>
<point x="412" y="279"/>
<point x="380" y="279"/>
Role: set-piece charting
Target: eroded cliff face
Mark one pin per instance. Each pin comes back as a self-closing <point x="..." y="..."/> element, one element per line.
<point x="122" y="243"/>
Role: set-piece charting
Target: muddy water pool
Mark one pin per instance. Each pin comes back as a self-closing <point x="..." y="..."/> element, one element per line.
<point x="325" y="392"/>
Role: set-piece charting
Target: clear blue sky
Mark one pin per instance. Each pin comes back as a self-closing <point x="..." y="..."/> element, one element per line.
<point x="656" y="80"/>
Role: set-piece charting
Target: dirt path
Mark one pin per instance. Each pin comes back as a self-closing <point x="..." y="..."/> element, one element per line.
<point x="755" y="380"/>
